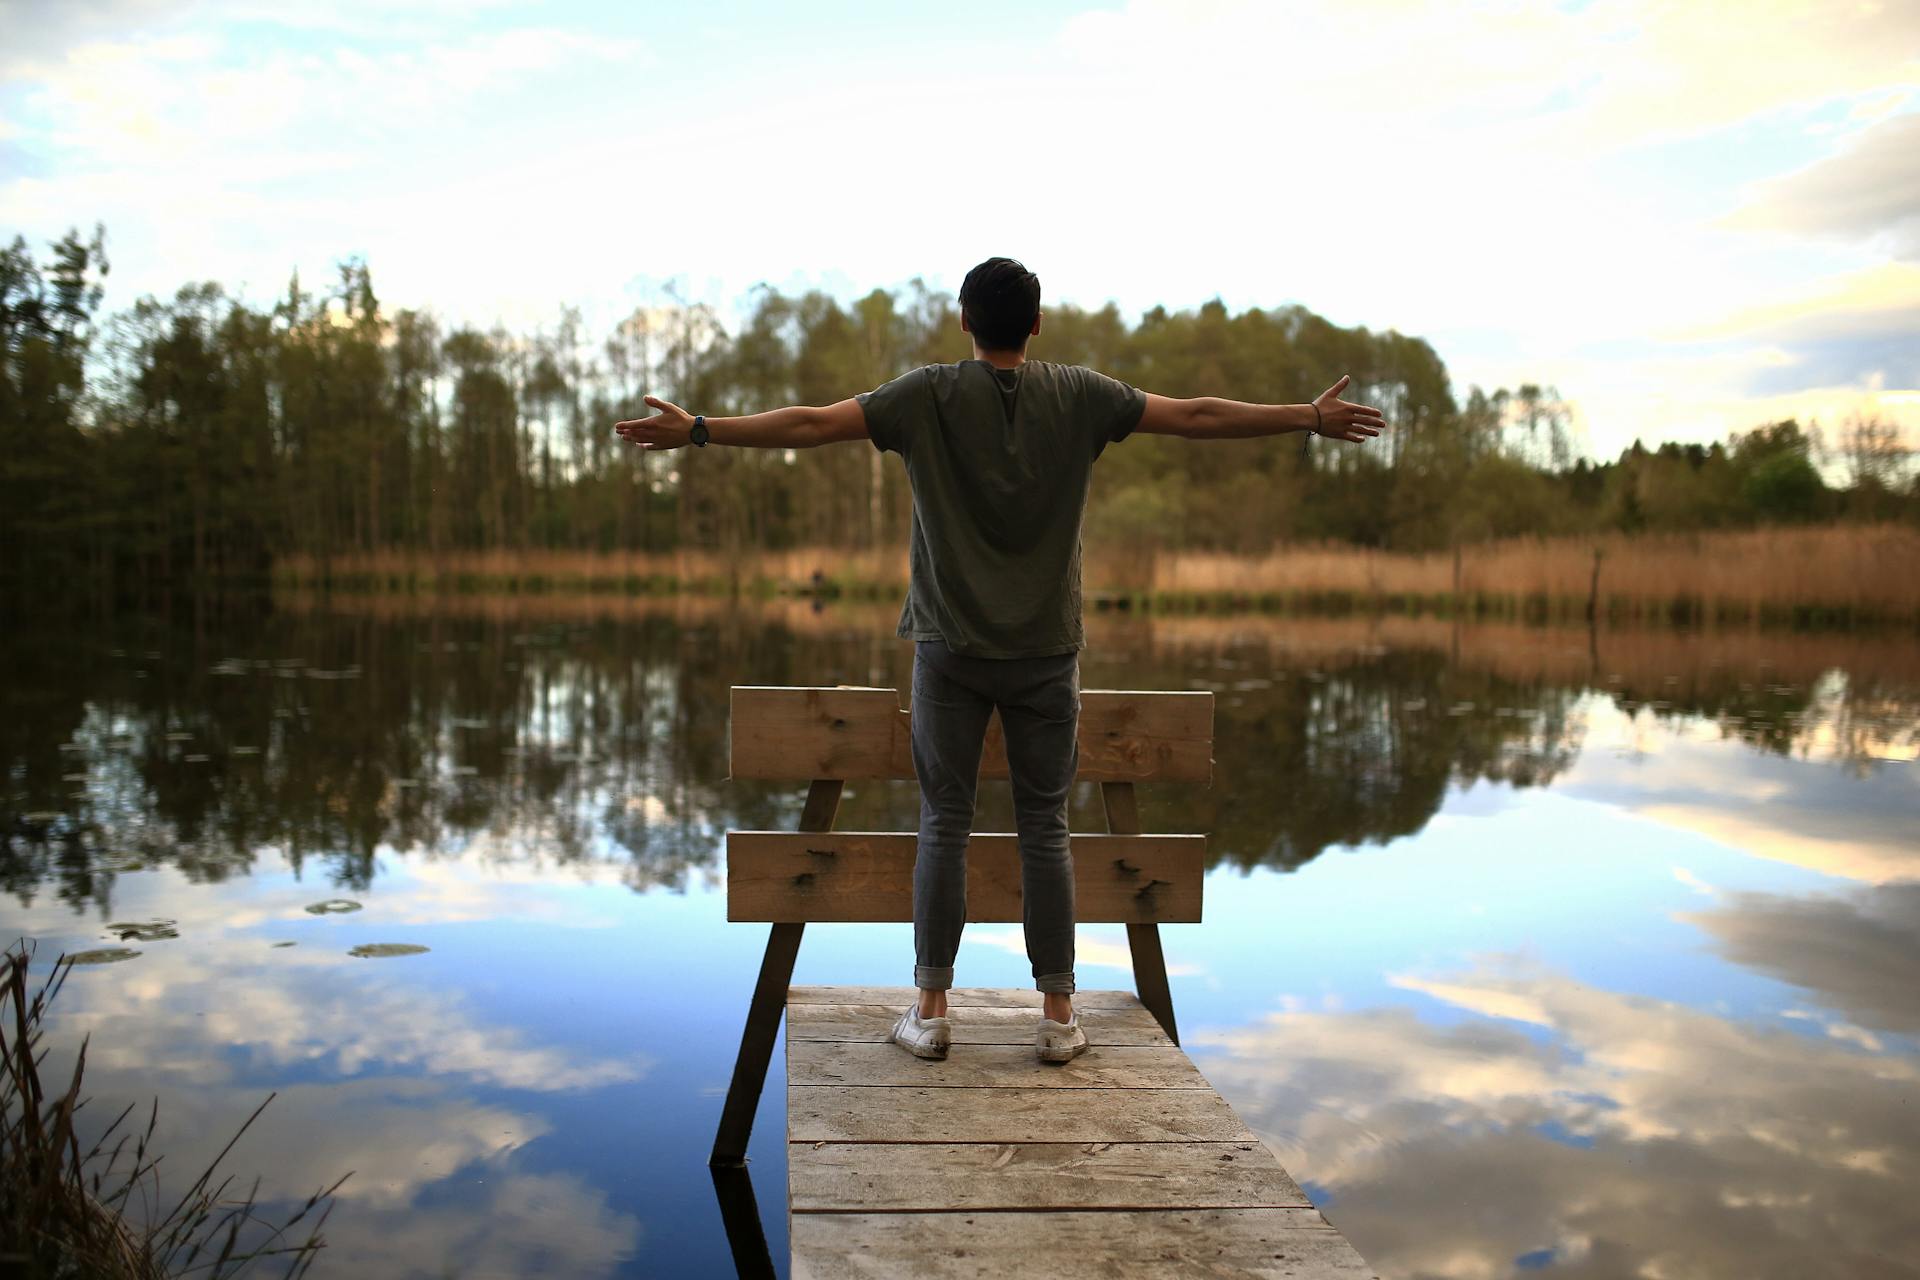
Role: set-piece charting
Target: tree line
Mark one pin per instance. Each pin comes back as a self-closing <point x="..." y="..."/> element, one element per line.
<point x="191" y="440"/>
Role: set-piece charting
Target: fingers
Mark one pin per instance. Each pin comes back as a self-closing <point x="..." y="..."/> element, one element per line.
<point x="1360" y="415"/>
<point x="1345" y="380"/>
<point x="643" y="432"/>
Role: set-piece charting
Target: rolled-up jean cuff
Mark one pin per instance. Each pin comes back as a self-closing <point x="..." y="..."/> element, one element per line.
<point x="928" y="978"/>
<point x="1057" y="984"/>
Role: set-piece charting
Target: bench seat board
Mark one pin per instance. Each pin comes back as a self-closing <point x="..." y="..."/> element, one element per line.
<point x="793" y="876"/>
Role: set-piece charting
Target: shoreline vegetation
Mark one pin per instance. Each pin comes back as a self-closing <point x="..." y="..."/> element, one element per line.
<point x="1834" y="575"/>
<point x="184" y="447"/>
<point x="96" y="1212"/>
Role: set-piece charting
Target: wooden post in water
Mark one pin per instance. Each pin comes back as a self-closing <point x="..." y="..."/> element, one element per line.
<point x="769" y="1002"/>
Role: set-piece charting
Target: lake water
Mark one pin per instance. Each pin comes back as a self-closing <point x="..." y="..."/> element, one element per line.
<point x="1525" y="950"/>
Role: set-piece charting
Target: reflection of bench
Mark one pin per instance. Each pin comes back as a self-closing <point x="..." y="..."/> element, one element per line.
<point x="880" y="1141"/>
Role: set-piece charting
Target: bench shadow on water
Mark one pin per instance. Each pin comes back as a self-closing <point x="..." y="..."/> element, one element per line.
<point x="1524" y="947"/>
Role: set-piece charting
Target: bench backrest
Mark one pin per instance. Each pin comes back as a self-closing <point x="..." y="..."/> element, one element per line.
<point x="861" y="734"/>
<point x="830" y="736"/>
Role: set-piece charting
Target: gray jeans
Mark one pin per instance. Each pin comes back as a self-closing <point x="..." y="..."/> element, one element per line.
<point x="1039" y="704"/>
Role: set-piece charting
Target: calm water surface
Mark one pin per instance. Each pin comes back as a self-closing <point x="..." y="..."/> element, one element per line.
<point x="1525" y="950"/>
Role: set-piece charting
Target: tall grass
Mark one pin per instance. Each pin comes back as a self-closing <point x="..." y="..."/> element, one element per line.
<point x="1860" y="571"/>
<point x="67" y="1212"/>
<point x="634" y="571"/>
<point x="1836" y="572"/>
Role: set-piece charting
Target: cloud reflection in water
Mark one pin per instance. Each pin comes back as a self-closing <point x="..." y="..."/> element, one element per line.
<point x="1614" y="1134"/>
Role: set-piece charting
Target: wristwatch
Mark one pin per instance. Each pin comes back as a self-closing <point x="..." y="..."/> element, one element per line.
<point x="700" y="435"/>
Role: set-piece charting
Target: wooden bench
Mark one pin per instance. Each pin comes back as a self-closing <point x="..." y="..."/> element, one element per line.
<point x="879" y="1140"/>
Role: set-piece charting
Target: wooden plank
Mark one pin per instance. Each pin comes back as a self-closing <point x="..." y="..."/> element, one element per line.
<point x="876" y="1177"/>
<point x="787" y="876"/>
<point x="792" y="733"/>
<point x="959" y="997"/>
<point x="971" y="1025"/>
<point x="988" y="1066"/>
<point x="858" y="734"/>
<point x="843" y="1113"/>
<point x="1085" y="1245"/>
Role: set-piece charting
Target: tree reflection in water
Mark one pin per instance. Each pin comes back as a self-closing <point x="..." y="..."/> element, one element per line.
<point x="596" y="730"/>
<point x="520" y="757"/>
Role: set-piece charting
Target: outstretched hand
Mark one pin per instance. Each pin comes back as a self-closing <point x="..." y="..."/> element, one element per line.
<point x="1343" y="420"/>
<point x="667" y="429"/>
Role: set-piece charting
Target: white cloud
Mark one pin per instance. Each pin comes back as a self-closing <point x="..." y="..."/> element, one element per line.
<point x="1494" y="182"/>
<point x="1879" y="300"/>
<point x="1872" y="188"/>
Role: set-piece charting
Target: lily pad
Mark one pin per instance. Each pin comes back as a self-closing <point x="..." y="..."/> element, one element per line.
<point x="145" y="931"/>
<point x="332" y="907"/>
<point x="375" y="950"/>
<point x="102" y="955"/>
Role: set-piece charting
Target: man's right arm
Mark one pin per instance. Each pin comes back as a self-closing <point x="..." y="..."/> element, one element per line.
<point x="1211" y="418"/>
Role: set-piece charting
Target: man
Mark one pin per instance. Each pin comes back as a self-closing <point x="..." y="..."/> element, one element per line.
<point x="999" y="450"/>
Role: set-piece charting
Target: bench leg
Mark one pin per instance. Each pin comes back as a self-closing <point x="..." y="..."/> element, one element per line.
<point x="756" y="1046"/>
<point x="1150" y="975"/>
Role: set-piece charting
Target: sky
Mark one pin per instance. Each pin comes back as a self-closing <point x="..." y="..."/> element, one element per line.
<point x="1690" y="218"/>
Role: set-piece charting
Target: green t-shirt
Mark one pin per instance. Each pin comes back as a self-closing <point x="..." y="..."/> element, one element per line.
<point x="999" y="462"/>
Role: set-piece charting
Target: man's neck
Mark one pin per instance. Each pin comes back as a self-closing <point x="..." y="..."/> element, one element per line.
<point x="1000" y="359"/>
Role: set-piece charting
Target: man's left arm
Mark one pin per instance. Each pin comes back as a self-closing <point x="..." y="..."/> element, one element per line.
<point x="797" y="427"/>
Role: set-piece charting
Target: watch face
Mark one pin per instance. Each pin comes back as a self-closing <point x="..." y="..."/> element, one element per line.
<point x="700" y="435"/>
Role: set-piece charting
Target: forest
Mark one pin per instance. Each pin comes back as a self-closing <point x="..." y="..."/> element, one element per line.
<point x="193" y="440"/>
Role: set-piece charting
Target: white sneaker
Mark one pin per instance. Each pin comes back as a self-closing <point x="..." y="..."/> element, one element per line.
<point x="1060" y="1041"/>
<point x="922" y="1037"/>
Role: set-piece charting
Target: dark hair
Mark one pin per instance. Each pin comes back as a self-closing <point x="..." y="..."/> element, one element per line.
<point x="1000" y="299"/>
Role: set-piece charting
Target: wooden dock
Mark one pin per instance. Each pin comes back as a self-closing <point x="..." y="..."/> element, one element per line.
<point x="1122" y="1163"/>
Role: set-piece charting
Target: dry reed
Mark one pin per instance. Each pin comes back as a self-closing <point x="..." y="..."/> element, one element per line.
<point x="1853" y="571"/>
<point x="1864" y="570"/>
<point x="63" y="1210"/>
